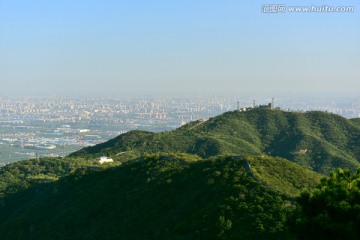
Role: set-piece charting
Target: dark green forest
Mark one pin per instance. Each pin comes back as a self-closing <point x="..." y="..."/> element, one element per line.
<point x="260" y="174"/>
<point x="166" y="196"/>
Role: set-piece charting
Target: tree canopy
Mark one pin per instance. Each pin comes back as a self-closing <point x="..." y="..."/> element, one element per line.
<point x="332" y="210"/>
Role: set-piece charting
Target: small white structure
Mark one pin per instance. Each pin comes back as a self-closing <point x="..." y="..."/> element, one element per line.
<point x="105" y="160"/>
<point x="303" y="151"/>
<point x="83" y="130"/>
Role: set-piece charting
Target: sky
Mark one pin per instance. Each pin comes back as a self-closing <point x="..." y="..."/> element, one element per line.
<point x="82" y="47"/>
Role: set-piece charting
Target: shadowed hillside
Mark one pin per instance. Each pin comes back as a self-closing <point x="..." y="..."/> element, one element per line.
<point x="166" y="196"/>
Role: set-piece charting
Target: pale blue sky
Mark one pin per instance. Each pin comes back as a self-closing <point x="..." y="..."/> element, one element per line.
<point x="156" y="47"/>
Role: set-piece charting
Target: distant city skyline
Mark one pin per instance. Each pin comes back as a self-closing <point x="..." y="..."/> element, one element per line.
<point x="56" y="126"/>
<point x="176" y="47"/>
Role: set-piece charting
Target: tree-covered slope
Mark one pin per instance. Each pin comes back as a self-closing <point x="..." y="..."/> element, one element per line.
<point x="331" y="210"/>
<point x="318" y="140"/>
<point x="23" y="174"/>
<point x="166" y="196"/>
<point x="281" y="175"/>
<point x="355" y="121"/>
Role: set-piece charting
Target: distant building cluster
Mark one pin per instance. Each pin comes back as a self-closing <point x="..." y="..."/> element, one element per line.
<point x="49" y="126"/>
<point x="56" y="126"/>
<point x="267" y="106"/>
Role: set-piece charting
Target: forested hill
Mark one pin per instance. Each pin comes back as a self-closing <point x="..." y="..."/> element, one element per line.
<point x="161" y="196"/>
<point x="356" y="121"/>
<point x="214" y="179"/>
<point x="321" y="141"/>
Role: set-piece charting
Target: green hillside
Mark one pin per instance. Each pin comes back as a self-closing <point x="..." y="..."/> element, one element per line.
<point x="234" y="176"/>
<point x="282" y="175"/>
<point x="318" y="140"/>
<point x="356" y="121"/>
<point x="161" y="196"/>
<point x="23" y="174"/>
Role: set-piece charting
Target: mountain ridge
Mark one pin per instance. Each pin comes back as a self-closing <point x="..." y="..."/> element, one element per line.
<point x="321" y="141"/>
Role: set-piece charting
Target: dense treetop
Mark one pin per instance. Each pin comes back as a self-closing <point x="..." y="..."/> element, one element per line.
<point x="332" y="210"/>
<point x="161" y="196"/>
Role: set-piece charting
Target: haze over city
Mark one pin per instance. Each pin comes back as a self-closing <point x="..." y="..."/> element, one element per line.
<point x="166" y="47"/>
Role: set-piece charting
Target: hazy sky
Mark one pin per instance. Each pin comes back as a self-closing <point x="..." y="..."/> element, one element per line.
<point x="172" y="46"/>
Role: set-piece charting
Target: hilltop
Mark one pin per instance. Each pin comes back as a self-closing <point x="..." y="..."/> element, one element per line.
<point x="318" y="140"/>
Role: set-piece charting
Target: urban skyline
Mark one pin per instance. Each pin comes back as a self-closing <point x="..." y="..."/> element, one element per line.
<point x="56" y="126"/>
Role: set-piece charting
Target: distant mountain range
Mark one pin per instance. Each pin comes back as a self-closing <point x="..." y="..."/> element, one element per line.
<point x="318" y="140"/>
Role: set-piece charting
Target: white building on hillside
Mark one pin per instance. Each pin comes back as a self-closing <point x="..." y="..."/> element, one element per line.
<point x="105" y="160"/>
